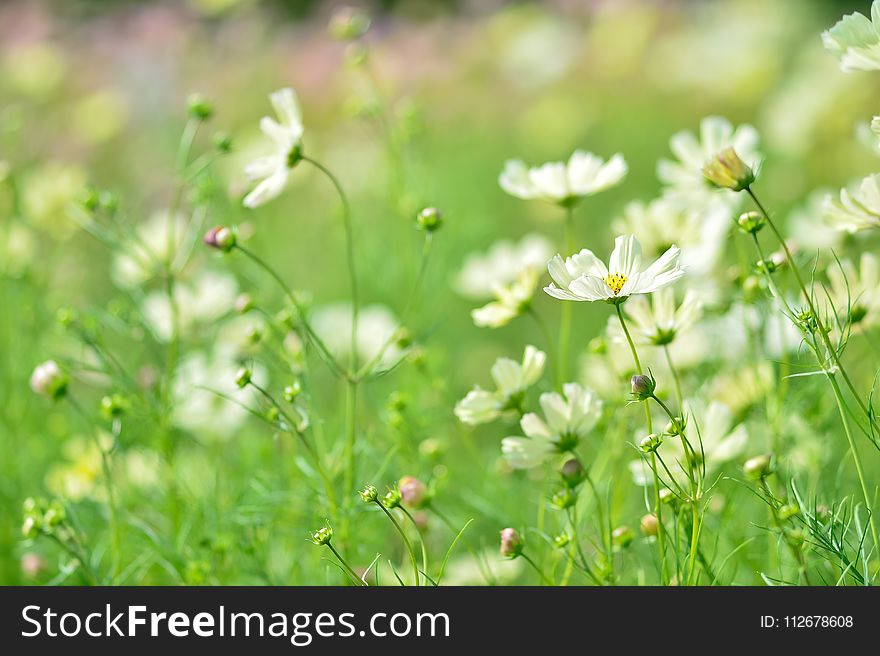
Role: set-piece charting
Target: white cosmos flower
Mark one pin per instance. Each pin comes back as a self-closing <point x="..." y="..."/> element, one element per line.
<point x="209" y="297"/>
<point x="375" y="326"/>
<point x="722" y="441"/>
<point x="699" y="231"/>
<point x="147" y="253"/>
<point x="658" y="321"/>
<point x="510" y="301"/>
<point x="585" y="174"/>
<point x="856" y="209"/>
<point x="511" y="378"/>
<point x="286" y="133"/>
<point x="584" y="277"/>
<point x="685" y="179"/>
<point x="501" y="265"/>
<point x="567" y="419"/>
<point x="855" y="40"/>
<point x="858" y="290"/>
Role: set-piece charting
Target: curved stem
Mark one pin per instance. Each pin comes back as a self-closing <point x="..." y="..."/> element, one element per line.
<point x="421" y="539"/>
<point x="409" y="547"/>
<point x="347" y="567"/>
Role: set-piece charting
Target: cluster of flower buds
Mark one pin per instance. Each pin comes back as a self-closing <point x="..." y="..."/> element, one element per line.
<point x="49" y="380"/>
<point x="41" y="517"/>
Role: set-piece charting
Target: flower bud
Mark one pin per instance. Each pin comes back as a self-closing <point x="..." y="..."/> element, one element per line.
<point x="511" y="543"/>
<point x="348" y="23"/>
<point x="243" y="377"/>
<point x="562" y="540"/>
<point x="392" y="498"/>
<point x="572" y="472"/>
<point x="675" y="426"/>
<point x="649" y="524"/>
<point x="322" y="536"/>
<point x="198" y="107"/>
<point x="369" y="494"/>
<point x="650" y="443"/>
<point x="48" y="380"/>
<point x="243" y="304"/>
<point x="222" y="142"/>
<point x="563" y="499"/>
<point x="54" y="515"/>
<point x="32" y="564"/>
<point x="758" y="467"/>
<point x="727" y="171"/>
<point x="788" y="510"/>
<point x="643" y="386"/>
<point x="114" y="406"/>
<point x="292" y="391"/>
<point x="221" y="238"/>
<point x="751" y="222"/>
<point x="667" y="496"/>
<point x="429" y="219"/>
<point x="273" y="414"/>
<point x="413" y="492"/>
<point x="621" y="537"/>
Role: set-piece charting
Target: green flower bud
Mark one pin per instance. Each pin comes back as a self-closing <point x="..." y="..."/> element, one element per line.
<point x="292" y="391"/>
<point x="650" y="443"/>
<point x="243" y="377"/>
<point x="751" y="222"/>
<point x="788" y="510"/>
<point x="369" y="494"/>
<point x="563" y="499"/>
<point x="273" y="414"/>
<point x="392" y="498"/>
<point x="675" y="426"/>
<point x="758" y="467"/>
<point x="621" y="537"/>
<point x="222" y="142"/>
<point x="198" y="107"/>
<point x="562" y="540"/>
<point x="429" y="219"/>
<point x="322" y="536"/>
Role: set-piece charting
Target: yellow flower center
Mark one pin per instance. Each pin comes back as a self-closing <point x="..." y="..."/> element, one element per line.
<point x="615" y="281"/>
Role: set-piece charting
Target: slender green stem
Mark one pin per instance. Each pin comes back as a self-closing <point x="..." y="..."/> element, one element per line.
<point x="835" y="356"/>
<point x="531" y="562"/>
<point x="661" y="531"/>
<point x="349" y="254"/>
<point x="566" y="309"/>
<point x="424" y="548"/>
<point x="345" y="564"/>
<point x="406" y="542"/>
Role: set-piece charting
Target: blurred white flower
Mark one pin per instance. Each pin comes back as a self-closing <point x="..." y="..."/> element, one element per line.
<point x="568" y="419"/>
<point x="585" y="174"/>
<point x="510" y="301"/>
<point x="376" y="326"/>
<point x="286" y="134"/>
<point x="685" y="179"/>
<point x="855" y="40"/>
<point x="584" y="277"/>
<point x="857" y="208"/>
<point x="856" y="290"/>
<point x="206" y="399"/>
<point x="501" y="265"/>
<point x="206" y="299"/>
<point x="808" y="228"/>
<point x="147" y="252"/>
<point x="700" y="232"/>
<point x="713" y="436"/>
<point x="511" y="378"/>
<point x="658" y="321"/>
<point x="18" y="248"/>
